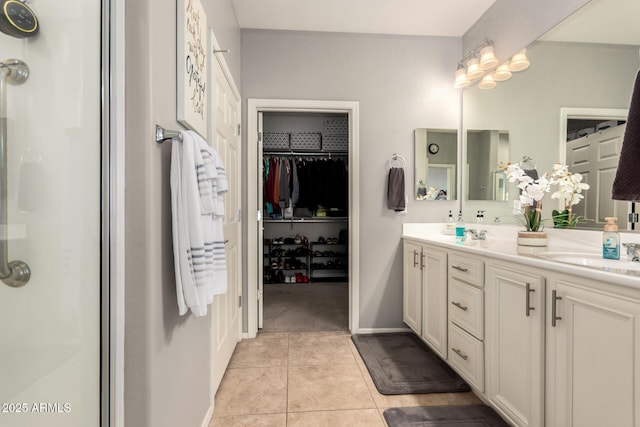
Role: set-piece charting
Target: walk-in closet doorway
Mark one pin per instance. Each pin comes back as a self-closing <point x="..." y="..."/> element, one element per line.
<point x="302" y="239"/>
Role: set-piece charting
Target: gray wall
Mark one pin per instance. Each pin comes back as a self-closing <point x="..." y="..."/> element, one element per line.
<point x="401" y="83"/>
<point x="528" y="105"/>
<point x="166" y="355"/>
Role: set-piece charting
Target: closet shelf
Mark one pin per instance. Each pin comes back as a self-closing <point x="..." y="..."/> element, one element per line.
<point x="310" y="220"/>
<point x="306" y="153"/>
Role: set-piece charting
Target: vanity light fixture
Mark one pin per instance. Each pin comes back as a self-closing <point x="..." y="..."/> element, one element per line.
<point x="487" y="82"/>
<point x="488" y="59"/>
<point x="462" y="80"/>
<point x="519" y="61"/>
<point x="480" y="62"/>
<point x="502" y="73"/>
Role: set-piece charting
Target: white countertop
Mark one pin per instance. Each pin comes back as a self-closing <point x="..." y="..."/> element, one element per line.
<point x="501" y="244"/>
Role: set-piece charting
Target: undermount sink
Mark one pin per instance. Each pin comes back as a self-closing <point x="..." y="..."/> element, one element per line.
<point x="593" y="260"/>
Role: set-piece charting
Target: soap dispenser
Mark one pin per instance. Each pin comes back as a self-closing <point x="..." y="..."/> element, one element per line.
<point x="450" y="226"/>
<point x="611" y="239"/>
<point x="460" y="230"/>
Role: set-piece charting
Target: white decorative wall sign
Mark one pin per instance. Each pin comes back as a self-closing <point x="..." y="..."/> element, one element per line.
<point x="192" y="74"/>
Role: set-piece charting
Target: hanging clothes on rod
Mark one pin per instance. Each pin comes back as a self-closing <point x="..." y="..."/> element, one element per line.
<point x="302" y="181"/>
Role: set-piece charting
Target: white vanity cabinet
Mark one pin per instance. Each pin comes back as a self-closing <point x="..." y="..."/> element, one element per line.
<point x="515" y="319"/>
<point x="593" y="354"/>
<point x="412" y="285"/>
<point x="466" y="317"/>
<point x="546" y="344"/>
<point x="425" y="293"/>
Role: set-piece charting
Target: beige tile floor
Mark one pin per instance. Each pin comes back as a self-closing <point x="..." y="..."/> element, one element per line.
<point x="307" y="379"/>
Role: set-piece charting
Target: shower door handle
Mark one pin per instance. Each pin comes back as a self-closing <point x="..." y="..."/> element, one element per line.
<point x="12" y="273"/>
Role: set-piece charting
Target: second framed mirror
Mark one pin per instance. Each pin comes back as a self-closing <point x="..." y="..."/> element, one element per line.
<point x="435" y="164"/>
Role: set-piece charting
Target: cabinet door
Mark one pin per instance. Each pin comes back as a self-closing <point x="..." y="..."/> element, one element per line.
<point x="412" y="286"/>
<point x="515" y="344"/>
<point x="434" y="299"/>
<point x="593" y="358"/>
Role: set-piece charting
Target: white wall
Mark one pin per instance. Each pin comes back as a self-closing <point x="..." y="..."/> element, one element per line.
<point x="401" y="83"/>
<point x="166" y="355"/>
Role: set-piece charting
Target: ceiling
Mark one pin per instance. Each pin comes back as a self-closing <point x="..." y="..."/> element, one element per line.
<point x="450" y="18"/>
<point x="600" y="21"/>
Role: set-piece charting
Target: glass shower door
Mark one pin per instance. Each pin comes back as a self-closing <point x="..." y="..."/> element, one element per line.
<point x="51" y="214"/>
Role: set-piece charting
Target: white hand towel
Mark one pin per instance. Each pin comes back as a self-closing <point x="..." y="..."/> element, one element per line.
<point x="199" y="256"/>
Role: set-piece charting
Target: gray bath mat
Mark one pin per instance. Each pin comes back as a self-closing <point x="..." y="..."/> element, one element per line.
<point x="449" y="416"/>
<point x="399" y="363"/>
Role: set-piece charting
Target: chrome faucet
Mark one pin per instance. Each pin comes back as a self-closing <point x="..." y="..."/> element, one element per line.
<point x="632" y="251"/>
<point x="477" y="234"/>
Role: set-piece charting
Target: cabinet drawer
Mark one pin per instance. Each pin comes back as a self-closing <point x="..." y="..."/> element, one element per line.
<point x="467" y="269"/>
<point x="466" y="307"/>
<point x="466" y="355"/>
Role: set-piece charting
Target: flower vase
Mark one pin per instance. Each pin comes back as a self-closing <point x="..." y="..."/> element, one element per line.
<point x="532" y="238"/>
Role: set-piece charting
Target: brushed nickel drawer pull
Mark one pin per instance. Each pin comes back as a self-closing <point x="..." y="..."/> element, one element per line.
<point x="460" y="306"/>
<point x="459" y="353"/>
<point x="554" y="300"/>
<point x="528" y="308"/>
<point x="415" y="259"/>
<point x="457" y="267"/>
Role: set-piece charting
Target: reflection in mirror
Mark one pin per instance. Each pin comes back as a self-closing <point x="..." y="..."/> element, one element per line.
<point x="589" y="61"/>
<point x="487" y="153"/>
<point x="435" y="164"/>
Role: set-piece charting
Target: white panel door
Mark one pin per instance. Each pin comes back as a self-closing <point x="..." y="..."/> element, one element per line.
<point x="595" y="156"/>
<point x="260" y="226"/>
<point x="226" y="312"/>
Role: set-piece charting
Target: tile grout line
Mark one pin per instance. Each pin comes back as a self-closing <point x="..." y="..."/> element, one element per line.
<point x="362" y="369"/>
<point x="362" y="374"/>
<point x="286" y="407"/>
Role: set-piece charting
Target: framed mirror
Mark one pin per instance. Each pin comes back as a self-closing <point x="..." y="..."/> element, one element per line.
<point x="586" y="63"/>
<point x="436" y="153"/>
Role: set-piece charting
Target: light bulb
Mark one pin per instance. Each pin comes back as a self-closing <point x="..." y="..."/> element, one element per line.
<point x="519" y="61"/>
<point x="473" y="69"/>
<point x="502" y="73"/>
<point x="487" y="82"/>
<point x="461" y="78"/>
<point x="488" y="59"/>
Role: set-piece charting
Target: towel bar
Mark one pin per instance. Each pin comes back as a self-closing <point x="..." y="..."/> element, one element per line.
<point x="163" y="134"/>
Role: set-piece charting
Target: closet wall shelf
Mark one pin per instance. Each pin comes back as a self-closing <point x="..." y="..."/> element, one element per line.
<point x="306" y="153"/>
<point x="309" y="220"/>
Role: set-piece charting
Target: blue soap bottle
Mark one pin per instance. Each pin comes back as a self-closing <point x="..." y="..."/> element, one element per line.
<point x="611" y="239"/>
<point x="460" y="236"/>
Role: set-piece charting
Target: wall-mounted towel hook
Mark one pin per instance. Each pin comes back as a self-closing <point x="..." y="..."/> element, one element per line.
<point x="163" y="134"/>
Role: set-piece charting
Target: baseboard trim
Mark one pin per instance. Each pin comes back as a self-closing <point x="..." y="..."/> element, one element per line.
<point x="381" y="330"/>
<point x="207" y="417"/>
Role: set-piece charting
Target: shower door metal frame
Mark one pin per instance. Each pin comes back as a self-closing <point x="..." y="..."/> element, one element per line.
<point x="112" y="213"/>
